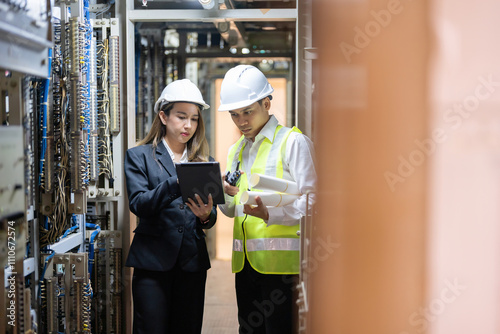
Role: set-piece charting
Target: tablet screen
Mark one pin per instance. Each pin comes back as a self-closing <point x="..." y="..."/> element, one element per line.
<point x="200" y="178"/>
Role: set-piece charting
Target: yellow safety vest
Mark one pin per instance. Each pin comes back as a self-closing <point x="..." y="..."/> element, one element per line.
<point x="272" y="249"/>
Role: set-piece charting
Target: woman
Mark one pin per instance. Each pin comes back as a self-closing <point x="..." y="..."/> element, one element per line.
<point x="168" y="252"/>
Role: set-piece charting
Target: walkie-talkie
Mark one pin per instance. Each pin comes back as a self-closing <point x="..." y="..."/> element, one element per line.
<point x="233" y="177"/>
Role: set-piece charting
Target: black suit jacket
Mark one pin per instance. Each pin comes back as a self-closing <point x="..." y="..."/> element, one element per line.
<point x="168" y="232"/>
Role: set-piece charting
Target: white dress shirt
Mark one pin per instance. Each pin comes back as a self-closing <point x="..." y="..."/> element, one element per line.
<point x="298" y="166"/>
<point x="184" y="157"/>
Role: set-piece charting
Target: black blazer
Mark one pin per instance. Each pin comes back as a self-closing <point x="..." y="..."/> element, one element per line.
<point x="168" y="232"/>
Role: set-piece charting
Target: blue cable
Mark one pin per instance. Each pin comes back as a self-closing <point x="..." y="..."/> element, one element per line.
<point x="43" y="115"/>
<point x="86" y="127"/>
<point x="69" y="230"/>
<point x="47" y="259"/>
<point x="72" y="228"/>
<point x="91" y="244"/>
<point x="89" y="292"/>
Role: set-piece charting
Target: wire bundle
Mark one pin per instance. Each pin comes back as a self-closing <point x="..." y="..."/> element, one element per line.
<point x="105" y="153"/>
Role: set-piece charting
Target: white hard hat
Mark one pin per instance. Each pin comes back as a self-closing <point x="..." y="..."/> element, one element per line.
<point x="242" y="86"/>
<point x="181" y="91"/>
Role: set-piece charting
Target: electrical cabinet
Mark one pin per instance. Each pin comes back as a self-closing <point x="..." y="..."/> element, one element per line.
<point x="61" y="179"/>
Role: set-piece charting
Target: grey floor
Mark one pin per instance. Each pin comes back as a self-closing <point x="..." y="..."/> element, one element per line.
<point x="220" y="316"/>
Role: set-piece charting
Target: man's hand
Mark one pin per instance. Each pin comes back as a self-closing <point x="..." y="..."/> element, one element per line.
<point x="259" y="211"/>
<point x="229" y="189"/>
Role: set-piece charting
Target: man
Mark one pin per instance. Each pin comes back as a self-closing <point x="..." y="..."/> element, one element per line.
<point x="265" y="243"/>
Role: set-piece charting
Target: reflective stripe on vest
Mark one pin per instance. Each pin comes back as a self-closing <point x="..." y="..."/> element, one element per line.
<point x="285" y="244"/>
<point x="272" y="249"/>
<point x="238" y="245"/>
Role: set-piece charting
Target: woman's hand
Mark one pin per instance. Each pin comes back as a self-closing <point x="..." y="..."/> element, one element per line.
<point x="200" y="209"/>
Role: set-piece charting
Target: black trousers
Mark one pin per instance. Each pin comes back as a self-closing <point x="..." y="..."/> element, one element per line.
<point x="168" y="302"/>
<point x="266" y="303"/>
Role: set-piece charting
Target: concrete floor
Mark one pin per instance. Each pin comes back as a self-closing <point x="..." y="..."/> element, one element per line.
<point x="220" y="316"/>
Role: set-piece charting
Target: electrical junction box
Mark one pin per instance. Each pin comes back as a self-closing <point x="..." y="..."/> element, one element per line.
<point x="12" y="196"/>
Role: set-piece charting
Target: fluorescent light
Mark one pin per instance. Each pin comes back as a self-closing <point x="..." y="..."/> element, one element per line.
<point x="207" y="4"/>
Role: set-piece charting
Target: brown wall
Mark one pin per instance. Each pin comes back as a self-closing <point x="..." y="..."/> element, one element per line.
<point x="371" y="107"/>
<point x="407" y="131"/>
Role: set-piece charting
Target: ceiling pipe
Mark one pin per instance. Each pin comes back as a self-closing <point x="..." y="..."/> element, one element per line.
<point x="232" y="32"/>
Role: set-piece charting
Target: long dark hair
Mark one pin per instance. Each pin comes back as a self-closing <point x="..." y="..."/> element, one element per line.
<point x="197" y="146"/>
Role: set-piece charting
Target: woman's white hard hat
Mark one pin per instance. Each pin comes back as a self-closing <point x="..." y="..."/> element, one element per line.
<point x="181" y="91"/>
<point x="242" y="86"/>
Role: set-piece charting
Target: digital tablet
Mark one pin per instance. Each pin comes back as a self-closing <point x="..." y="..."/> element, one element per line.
<point x="200" y="178"/>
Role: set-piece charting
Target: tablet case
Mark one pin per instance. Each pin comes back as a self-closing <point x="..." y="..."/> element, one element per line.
<point x="200" y="178"/>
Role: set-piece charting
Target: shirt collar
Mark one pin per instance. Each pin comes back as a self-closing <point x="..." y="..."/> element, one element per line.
<point x="184" y="157"/>
<point x="267" y="131"/>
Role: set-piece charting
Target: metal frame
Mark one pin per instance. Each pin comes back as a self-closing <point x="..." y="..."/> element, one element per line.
<point x="132" y="16"/>
<point x="155" y="15"/>
<point x="24" y="41"/>
<point x="162" y="15"/>
<point x="305" y="55"/>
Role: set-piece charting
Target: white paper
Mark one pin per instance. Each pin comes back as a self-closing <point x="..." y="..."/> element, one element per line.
<point x="265" y="182"/>
<point x="268" y="198"/>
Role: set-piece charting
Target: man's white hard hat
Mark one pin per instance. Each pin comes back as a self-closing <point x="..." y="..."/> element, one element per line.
<point x="242" y="86"/>
<point x="181" y="91"/>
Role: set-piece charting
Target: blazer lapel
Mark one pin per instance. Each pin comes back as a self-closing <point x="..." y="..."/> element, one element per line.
<point x="164" y="158"/>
